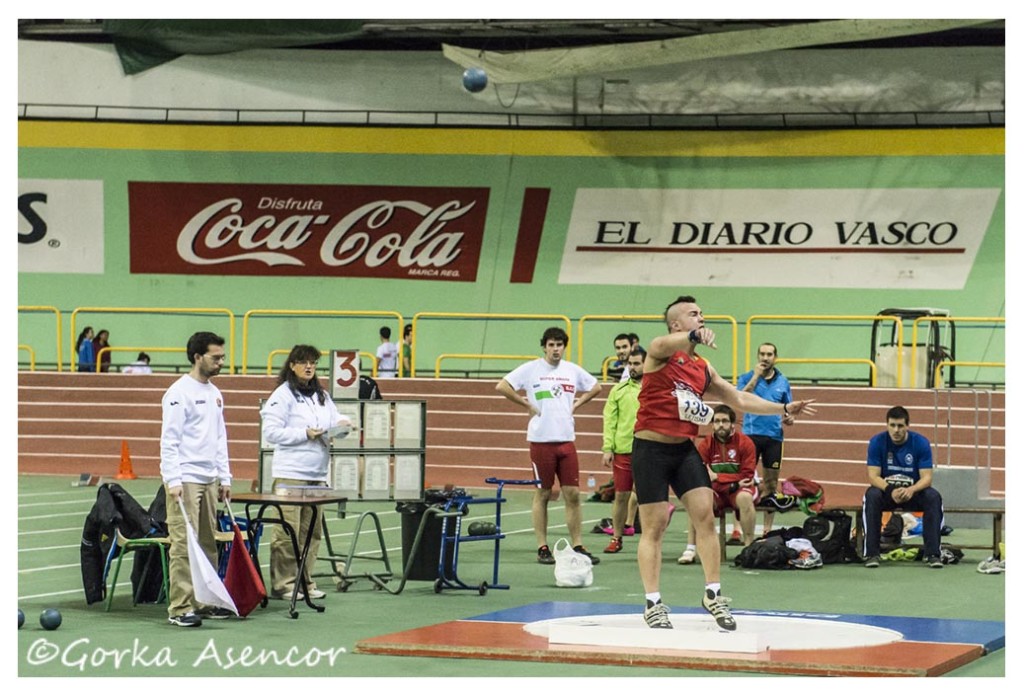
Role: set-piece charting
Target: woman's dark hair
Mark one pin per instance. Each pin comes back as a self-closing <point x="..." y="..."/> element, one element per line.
<point x="106" y="340"/>
<point x="81" y="337"/>
<point x="301" y="353"/>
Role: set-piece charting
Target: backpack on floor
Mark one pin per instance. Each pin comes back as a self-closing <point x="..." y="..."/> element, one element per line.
<point x="769" y="553"/>
<point x="831" y="534"/>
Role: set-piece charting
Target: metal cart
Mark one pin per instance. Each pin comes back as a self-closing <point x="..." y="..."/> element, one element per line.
<point x="452" y="538"/>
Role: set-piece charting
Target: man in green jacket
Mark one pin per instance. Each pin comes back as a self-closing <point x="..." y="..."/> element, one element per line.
<point x="617" y="446"/>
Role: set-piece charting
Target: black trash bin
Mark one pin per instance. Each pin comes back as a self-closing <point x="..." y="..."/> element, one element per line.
<point x="428" y="555"/>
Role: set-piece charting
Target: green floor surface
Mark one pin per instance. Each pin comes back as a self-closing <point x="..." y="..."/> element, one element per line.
<point x="139" y="642"/>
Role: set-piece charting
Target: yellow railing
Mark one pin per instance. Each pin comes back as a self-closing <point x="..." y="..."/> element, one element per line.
<point x="804" y="318"/>
<point x="31" y="356"/>
<point x="477" y="356"/>
<point x="660" y="318"/>
<point x="132" y="349"/>
<point x="964" y="363"/>
<point x="913" y="337"/>
<point x="472" y="315"/>
<point x="836" y="361"/>
<point x="604" y="366"/>
<point x="312" y="313"/>
<point x="158" y="310"/>
<point x="60" y="340"/>
<point x="286" y="351"/>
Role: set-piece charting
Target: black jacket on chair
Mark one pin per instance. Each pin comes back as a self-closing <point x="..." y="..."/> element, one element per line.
<point x="114" y="509"/>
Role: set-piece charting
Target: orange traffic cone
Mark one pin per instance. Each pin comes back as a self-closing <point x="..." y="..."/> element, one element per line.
<point x="125" y="470"/>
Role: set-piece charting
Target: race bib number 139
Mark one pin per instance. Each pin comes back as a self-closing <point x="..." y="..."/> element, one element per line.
<point x="692" y="409"/>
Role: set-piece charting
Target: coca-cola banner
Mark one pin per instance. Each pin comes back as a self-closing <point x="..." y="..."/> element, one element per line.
<point x="297" y="230"/>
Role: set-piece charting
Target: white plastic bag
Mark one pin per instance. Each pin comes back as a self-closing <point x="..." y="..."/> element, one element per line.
<point x="571" y="569"/>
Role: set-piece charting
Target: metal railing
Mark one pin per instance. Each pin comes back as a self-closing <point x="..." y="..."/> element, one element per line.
<point x="31" y="356"/>
<point x="955" y="320"/>
<point x="836" y="361"/>
<point x="584" y="321"/>
<point x="937" y="382"/>
<point x="132" y="349"/>
<point x="805" y="318"/>
<point x="785" y="120"/>
<point x="418" y="317"/>
<point x="476" y="356"/>
<point x="310" y="313"/>
<point x="60" y="341"/>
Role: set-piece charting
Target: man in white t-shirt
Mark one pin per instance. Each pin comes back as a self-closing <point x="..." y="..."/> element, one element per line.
<point x="554" y="389"/>
<point x="387" y="354"/>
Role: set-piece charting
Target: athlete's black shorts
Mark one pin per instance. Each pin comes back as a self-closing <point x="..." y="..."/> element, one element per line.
<point x="658" y="466"/>
<point x="769" y="451"/>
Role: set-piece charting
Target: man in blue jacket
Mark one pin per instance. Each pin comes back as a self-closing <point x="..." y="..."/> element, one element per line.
<point x="900" y="474"/>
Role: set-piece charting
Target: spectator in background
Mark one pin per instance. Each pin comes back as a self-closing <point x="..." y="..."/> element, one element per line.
<point x="554" y="389"/>
<point x="732" y="462"/>
<point x="102" y="341"/>
<point x="387" y="354"/>
<point x="634" y="342"/>
<point x="618" y="370"/>
<point x="619" y="419"/>
<point x="900" y="474"/>
<point x="766" y="430"/>
<point x="140" y="366"/>
<point x="407" y="350"/>
<point x="83" y="347"/>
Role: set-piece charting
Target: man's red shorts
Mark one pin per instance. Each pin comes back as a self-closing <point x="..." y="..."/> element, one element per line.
<point x="622" y="472"/>
<point x="551" y="459"/>
<point x="724" y="500"/>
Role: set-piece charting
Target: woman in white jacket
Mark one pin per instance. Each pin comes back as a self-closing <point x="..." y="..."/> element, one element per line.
<point x="296" y="421"/>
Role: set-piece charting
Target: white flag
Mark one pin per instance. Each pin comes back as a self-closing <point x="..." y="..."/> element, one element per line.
<point x="207" y="586"/>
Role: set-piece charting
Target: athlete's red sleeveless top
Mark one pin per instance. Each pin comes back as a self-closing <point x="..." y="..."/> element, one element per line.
<point x="659" y="409"/>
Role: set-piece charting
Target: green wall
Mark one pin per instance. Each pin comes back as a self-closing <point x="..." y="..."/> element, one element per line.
<point x="507" y="163"/>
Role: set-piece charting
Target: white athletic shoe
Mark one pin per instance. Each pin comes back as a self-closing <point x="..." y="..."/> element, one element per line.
<point x="991" y="566"/>
<point x="688" y="557"/>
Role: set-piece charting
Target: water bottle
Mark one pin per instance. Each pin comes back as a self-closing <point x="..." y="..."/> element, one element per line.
<point x="591" y="482"/>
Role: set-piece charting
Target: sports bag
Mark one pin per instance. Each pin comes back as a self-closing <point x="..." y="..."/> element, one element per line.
<point x="831" y="534"/>
<point x="810" y="496"/>
<point x="768" y="552"/>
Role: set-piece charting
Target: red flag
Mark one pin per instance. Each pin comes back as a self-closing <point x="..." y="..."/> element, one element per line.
<point x="241" y="578"/>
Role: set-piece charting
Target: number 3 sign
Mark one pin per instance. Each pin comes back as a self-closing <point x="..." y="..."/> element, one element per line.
<point x="344" y="374"/>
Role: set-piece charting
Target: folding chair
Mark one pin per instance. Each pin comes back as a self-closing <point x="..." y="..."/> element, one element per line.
<point x="225" y="536"/>
<point x="120" y="548"/>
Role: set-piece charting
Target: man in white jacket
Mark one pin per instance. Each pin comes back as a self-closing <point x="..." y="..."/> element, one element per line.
<point x="194" y="467"/>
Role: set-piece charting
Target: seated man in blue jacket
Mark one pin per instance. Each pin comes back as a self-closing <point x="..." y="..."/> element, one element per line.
<point x="900" y="473"/>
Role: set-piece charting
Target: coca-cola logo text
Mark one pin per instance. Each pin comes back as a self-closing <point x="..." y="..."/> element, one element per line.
<point x="433" y="233"/>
